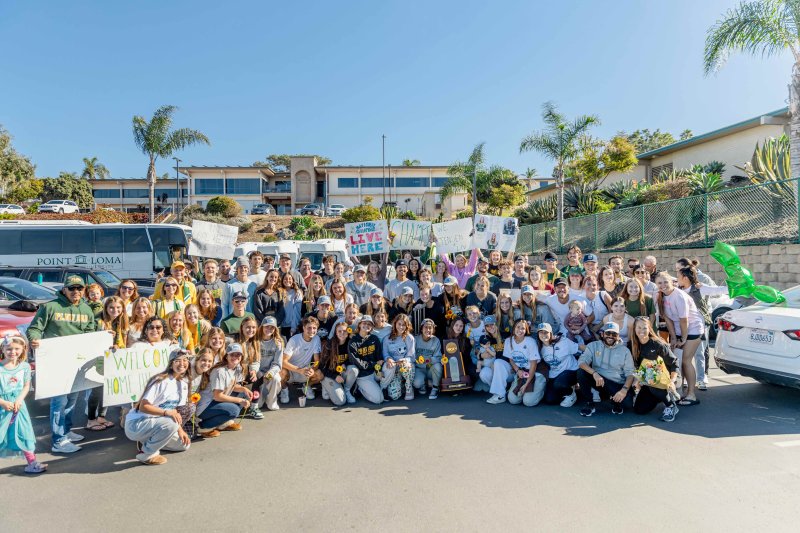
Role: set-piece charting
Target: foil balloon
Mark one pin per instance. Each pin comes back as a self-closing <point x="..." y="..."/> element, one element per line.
<point x="740" y="280"/>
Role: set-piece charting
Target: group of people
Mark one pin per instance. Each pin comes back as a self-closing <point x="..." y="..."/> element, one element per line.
<point x="243" y="336"/>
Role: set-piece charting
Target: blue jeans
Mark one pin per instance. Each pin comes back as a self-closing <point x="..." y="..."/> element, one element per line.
<point x="61" y="408"/>
<point x="217" y="413"/>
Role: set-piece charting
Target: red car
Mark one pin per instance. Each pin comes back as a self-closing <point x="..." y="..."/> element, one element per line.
<point x="14" y="322"/>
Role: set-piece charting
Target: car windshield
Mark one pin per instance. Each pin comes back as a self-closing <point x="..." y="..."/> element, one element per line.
<point x="792" y="297"/>
<point x="28" y="290"/>
<point x="108" y="278"/>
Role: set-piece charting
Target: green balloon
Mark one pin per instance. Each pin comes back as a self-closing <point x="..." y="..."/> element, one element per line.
<point x="768" y="294"/>
<point x="739" y="275"/>
<point x="739" y="289"/>
<point x="725" y="254"/>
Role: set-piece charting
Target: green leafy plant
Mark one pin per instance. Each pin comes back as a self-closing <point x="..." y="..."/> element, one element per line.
<point x="408" y="215"/>
<point x="770" y="165"/>
<point x="704" y="183"/>
<point x="464" y="213"/>
<point x="361" y="213"/>
<point x="541" y="210"/>
<point x="223" y="206"/>
<point x="389" y="212"/>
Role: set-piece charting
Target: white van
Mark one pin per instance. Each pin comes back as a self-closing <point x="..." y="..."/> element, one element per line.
<point x="316" y="250"/>
<point x="275" y="249"/>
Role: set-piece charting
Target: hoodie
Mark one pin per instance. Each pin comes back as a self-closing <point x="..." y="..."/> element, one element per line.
<point x="614" y="363"/>
<point x="364" y="353"/>
<point x="60" y="318"/>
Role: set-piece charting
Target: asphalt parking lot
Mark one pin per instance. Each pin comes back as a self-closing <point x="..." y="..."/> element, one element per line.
<point x="456" y="463"/>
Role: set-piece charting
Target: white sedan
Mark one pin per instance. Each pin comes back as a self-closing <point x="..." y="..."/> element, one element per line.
<point x="762" y="341"/>
<point x="11" y="209"/>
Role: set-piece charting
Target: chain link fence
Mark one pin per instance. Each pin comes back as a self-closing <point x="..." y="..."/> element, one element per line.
<point x="756" y="214"/>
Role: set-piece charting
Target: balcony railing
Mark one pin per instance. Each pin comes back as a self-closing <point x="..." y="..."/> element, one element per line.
<point x="283" y="190"/>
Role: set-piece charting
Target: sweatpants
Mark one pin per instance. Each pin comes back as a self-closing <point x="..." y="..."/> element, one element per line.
<point x="336" y="391"/>
<point x="156" y="433"/>
<point x="485" y="376"/>
<point x="528" y="399"/>
<point x="370" y="388"/>
<point x="424" y="373"/>
<point x="269" y="385"/>
<point x="609" y="389"/>
<point x="560" y="386"/>
<point x="502" y="375"/>
<point x="648" y="398"/>
<point x="218" y="413"/>
<point x="392" y="380"/>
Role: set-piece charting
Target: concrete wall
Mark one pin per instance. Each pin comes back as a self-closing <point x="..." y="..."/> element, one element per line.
<point x="777" y="265"/>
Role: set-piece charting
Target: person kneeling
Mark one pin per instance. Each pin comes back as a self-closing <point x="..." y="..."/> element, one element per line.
<point x="217" y="408"/>
<point x="650" y="350"/>
<point x="429" y="359"/>
<point x="606" y="366"/>
<point x="155" y="422"/>
<point x="518" y="365"/>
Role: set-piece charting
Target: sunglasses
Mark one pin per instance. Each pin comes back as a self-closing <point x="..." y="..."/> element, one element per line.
<point x="126" y="288"/>
<point x="175" y="285"/>
<point x="75" y="288"/>
<point x="611" y="334"/>
<point x="155" y="327"/>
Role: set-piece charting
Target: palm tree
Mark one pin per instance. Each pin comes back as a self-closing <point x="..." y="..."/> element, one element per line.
<point x="155" y="140"/>
<point x="559" y="142"/>
<point x="411" y="162"/>
<point x="765" y="28"/>
<point x="530" y="175"/>
<point x="92" y="169"/>
<point x="460" y="176"/>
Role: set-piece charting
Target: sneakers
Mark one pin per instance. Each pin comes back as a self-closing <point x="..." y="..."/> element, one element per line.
<point x="570" y="400"/>
<point x="588" y="409"/>
<point x="434" y="394"/>
<point x="310" y="393"/>
<point x="349" y="396"/>
<point x="284" y="395"/>
<point x="65" y="446"/>
<point x="35" y="468"/>
<point x="596" y="396"/>
<point x="74" y="437"/>
<point x="208" y="433"/>
<point x="423" y="390"/>
<point x="325" y="395"/>
<point x="702" y="385"/>
<point x="255" y="413"/>
<point x="617" y="409"/>
<point x="669" y="413"/>
<point x="157" y="459"/>
<point x="232" y="427"/>
<point x="410" y="395"/>
<point x="496" y="399"/>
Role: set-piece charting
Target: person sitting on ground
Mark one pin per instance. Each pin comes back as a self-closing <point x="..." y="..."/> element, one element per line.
<point x="428" y="360"/>
<point x="218" y="407"/>
<point x="606" y="366"/>
<point x="398" y="351"/>
<point x="518" y="365"/>
<point x="269" y="380"/>
<point x="364" y="352"/>
<point x="647" y="346"/>
<point x="301" y="360"/>
<point x="558" y="352"/>
<point x="340" y="377"/>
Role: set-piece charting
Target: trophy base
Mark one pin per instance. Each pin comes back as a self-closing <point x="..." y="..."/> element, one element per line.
<point x="448" y="385"/>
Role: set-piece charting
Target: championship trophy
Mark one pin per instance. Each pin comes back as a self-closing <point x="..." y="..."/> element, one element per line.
<point x="454" y="377"/>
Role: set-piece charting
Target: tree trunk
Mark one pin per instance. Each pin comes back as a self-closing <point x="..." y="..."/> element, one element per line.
<point x="151" y="184"/>
<point x="794" y="124"/>
<point x="559" y="175"/>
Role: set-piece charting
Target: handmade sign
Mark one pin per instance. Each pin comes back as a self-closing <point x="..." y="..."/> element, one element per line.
<point x="740" y="280"/>
<point x="495" y="233"/>
<point x="215" y="241"/>
<point x="409" y="234"/>
<point x="365" y="238"/>
<point x="126" y="371"/>
<point x="67" y="364"/>
<point x="454" y="236"/>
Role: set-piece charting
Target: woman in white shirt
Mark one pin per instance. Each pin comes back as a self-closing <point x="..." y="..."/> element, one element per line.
<point x="218" y="408"/>
<point x="154" y="422"/>
<point x="518" y="366"/>
<point x="686" y="328"/>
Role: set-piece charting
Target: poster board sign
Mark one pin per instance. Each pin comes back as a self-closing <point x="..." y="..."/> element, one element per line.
<point x="409" y="234"/>
<point x="454" y="236"/>
<point x="127" y="370"/>
<point x="495" y="233"/>
<point x="67" y="364"/>
<point x="365" y="238"/>
<point x="216" y="241"/>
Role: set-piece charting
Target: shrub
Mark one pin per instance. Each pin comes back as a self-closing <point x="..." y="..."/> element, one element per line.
<point x="223" y="206"/>
<point x="270" y="238"/>
<point x="301" y="223"/>
<point x="666" y="190"/>
<point x="464" y="213"/>
<point x="361" y="213"/>
<point x="190" y="212"/>
<point x="408" y="215"/>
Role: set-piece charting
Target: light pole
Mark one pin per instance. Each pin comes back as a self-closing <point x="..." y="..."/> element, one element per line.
<point x="177" y="185"/>
<point x="383" y="164"/>
<point x="474" y="191"/>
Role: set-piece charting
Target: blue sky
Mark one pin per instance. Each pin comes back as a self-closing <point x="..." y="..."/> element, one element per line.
<point x="436" y="77"/>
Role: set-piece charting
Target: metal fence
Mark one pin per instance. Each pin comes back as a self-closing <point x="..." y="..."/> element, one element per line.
<point x="756" y="214"/>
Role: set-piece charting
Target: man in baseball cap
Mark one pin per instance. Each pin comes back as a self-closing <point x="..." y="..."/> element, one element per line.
<point x="239" y="303"/>
<point x="187" y="292"/>
<point x="394" y="287"/>
<point x="359" y="288"/>
<point x="590" y="264"/>
<point x="551" y="267"/>
<point x="606" y="366"/>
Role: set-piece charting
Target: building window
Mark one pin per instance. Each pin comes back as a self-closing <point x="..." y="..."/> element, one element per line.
<point x="280" y="186"/>
<point x="348" y="183"/>
<point x="437" y="199"/>
<point x="376" y="183"/>
<point x="170" y="192"/>
<point x="439" y="182"/>
<point x="655" y="172"/>
<point x="105" y="193"/>
<point x="209" y="186"/>
<point x="283" y="209"/>
<point x="412" y="182"/>
<point x="243" y="186"/>
<point x="136" y="193"/>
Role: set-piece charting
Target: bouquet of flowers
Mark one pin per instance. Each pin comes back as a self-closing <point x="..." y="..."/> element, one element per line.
<point x="653" y="373"/>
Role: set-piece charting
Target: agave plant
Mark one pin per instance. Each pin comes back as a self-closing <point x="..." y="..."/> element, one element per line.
<point x="704" y="182"/>
<point x="633" y="196"/>
<point x="714" y="167"/>
<point x="576" y="196"/>
<point x="389" y="212"/>
<point x="770" y="165"/>
<point x="542" y="210"/>
<point x="617" y="191"/>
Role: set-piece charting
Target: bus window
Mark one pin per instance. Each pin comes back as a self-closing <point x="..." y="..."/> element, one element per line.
<point x="12" y="242"/>
<point x="41" y="241"/>
<point x="161" y="252"/>
<point x="78" y="241"/>
<point x="108" y="240"/>
<point x="136" y="240"/>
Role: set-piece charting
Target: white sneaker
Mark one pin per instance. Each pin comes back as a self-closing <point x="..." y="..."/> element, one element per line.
<point x="423" y="390"/>
<point x="410" y="395"/>
<point x="65" y="446"/>
<point x="310" y="393"/>
<point x="496" y="399"/>
<point x="74" y="437"/>
<point x="570" y="400"/>
<point x="285" y="395"/>
<point x="349" y="396"/>
<point x="434" y="394"/>
<point x="596" y="396"/>
<point x="325" y="395"/>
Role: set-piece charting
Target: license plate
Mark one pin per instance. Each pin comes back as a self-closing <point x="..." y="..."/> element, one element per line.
<point x="762" y="336"/>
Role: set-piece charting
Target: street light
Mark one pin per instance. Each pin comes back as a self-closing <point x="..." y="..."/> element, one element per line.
<point x="177" y="185"/>
<point x="383" y="155"/>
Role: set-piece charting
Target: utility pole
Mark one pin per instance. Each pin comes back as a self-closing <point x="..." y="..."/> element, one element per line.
<point x="474" y="191"/>
<point x="383" y="155"/>
<point x="177" y="185"/>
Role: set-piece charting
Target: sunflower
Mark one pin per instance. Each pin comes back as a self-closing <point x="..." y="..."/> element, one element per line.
<point x="444" y="360"/>
<point x="194" y="398"/>
<point x="340" y="369"/>
<point x="420" y="360"/>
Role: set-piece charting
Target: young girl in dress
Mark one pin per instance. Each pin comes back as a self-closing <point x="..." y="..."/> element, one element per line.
<point x="16" y="430"/>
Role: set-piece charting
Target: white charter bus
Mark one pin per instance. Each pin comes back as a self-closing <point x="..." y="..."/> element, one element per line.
<point x="135" y="251"/>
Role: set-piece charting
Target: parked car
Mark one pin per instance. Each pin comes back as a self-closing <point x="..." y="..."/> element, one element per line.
<point x="59" y="206"/>
<point x="762" y="341"/>
<point x="15" y="321"/>
<point x="11" y="209"/>
<point x="312" y="209"/>
<point x="263" y="209"/>
<point x="336" y="210"/>
<point x="16" y="289"/>
<point x="53" y="277"/>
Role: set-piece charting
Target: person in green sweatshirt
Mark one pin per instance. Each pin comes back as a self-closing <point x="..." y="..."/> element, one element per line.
<point x="69" y="314"/>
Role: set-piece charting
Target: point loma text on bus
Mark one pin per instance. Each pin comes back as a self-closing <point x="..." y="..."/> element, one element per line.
<point x="79" y="260"/>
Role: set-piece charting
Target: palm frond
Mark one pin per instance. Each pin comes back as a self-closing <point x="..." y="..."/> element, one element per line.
<point x="180" y="139"/>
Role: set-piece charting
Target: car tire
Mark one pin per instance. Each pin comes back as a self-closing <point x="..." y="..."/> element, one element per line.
<point x="718" y="312"/>
<point x="61" y="211"/>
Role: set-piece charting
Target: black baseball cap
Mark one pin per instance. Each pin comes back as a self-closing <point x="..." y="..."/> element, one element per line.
<point x="550" y="256"/>
<point x="559" y="281"/>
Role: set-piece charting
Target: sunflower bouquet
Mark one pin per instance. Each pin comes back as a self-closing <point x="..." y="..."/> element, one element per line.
<point x="653" y="373"/>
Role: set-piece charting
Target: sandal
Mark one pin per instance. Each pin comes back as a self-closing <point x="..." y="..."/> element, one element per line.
<point x="686" y="402"/>
<point x="108" y="424"/>
<point x="96" y="427"/>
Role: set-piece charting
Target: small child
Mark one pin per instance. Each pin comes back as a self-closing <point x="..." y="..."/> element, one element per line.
<point x="16" y="430"/>
<point x="428" y="360"/>
<point x="577" y="324"/>
<point x="486" y="353"/>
